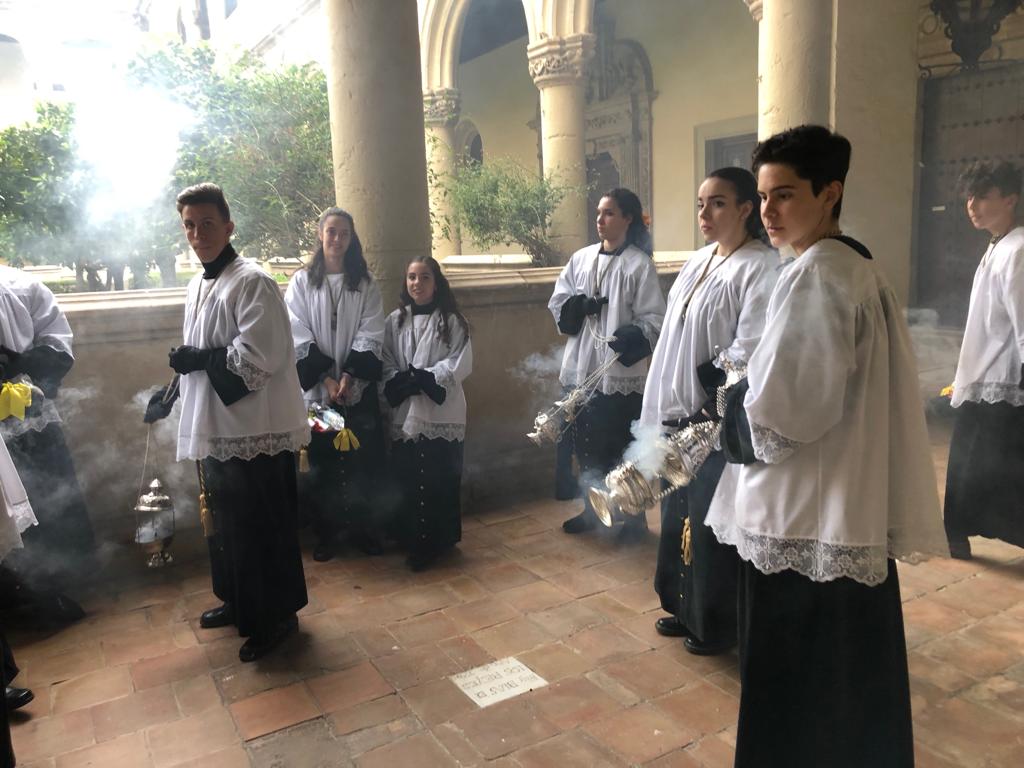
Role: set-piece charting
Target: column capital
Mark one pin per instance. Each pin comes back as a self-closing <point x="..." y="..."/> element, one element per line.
<point x="756" y="8"/>
<point x="441" y="106"/>
<point x="560" y="60"/>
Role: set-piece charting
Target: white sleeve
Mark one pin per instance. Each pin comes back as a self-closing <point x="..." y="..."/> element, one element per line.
<point x="454" y="368"/>
<point x="1012" y="282"/>
<point x="264" y="334"/>
<point x="49" y="325"/>
<point x="754" y="293"/>
<point x="565" y="289"/>
<point x="296" y="298"/>
<point x="648" y="302"/>
<point x="389" y="359"/>
<point x="370" y="333"/>
<point x="799" y="373"/>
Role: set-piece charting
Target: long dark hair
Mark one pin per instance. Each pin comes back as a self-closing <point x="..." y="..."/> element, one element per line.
<point x="353" y="264"/>
<point x="638" y="234"/>
<point x="745" y="186"/>
<point x="444" y="298"/>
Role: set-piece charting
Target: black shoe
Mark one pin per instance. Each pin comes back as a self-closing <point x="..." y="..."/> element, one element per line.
<point x="960" y="550"/>
<point x="367" y="543"/>
<point x="258" y="647"/>
<point x="221" y="616"/>
<point x="582" y="522"/>
<point x="700" y="648"/>
<point x="670" y="626"/>
<point x="631" y="532"/>
<point x="323" y="550"/>
<point x="17" y="698"/>
<point x="420" y="561"/>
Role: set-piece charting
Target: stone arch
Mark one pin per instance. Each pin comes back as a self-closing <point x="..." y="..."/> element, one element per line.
<point x="465" y="132"/>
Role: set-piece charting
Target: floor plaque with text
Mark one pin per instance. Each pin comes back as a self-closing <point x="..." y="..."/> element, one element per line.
<point x="498" y="681"/>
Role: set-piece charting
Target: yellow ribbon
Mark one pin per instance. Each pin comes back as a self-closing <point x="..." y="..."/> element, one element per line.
<point x="346" y="440"/>
<point x="946" y="391"/>
<point x="14" y="399"/>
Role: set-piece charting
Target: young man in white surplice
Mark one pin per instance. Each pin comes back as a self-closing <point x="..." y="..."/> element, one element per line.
<point x="242" y="420"/>
<point x="837" y="481"/>
<point x="984" y="484"/>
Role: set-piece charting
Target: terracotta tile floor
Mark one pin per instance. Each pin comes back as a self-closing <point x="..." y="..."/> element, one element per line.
<point x="365" y="682"/>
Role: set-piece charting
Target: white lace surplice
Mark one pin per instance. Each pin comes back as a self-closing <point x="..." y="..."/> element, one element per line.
<point x="993" y="347"/>
<point x="418" y="343"/>
<point x="244" y="312"/>
<point x="725" y="318"/>
<point x="360" y="325"/>
<point x="30" y="317"/>
<point x="15" y="511"/>
<point x="844" y="479"/>
<point x="634" y="297"/>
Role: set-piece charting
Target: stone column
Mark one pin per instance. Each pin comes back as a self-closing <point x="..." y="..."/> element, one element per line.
<point x="829" y="62"/>
<point x="440" y="115"/>
<point x="558" y="67"/>
<point x="376" y="110"/>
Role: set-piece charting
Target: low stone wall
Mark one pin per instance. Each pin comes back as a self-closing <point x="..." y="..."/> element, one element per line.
<point x="121" y="345"/>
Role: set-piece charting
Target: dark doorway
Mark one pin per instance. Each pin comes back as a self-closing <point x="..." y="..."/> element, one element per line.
<point x="966" y="117"/>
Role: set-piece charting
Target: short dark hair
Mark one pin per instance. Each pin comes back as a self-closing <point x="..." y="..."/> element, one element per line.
<point x="813" y="152"/>
<point x="981" y="176"/>
<point x="206" y="193"/>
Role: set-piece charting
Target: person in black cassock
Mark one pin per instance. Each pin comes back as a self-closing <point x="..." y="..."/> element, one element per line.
<point x="337" y="317"/>
<point x="714" y="320"/>
<point x="242" y="420"/>
<point x="607" y="300"/>
<point x="35" y="348"/>
<point x="427" y="356"/>
<point x="984" y="484"/>
<point x="836" y="483"/>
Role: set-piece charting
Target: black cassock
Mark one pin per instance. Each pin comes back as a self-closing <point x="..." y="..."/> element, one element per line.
<point x="8" y="671"/>
<point x="701" y="594"/>
<point x="601" y="434"/>
<point x="255" y="561"/>
<point x="62" y="543"/>
<point x="428" y="474"/>
<point x="984" y="482"/>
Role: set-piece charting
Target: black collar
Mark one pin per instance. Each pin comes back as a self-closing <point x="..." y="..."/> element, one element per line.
<point x="215" y="267"/>
<point x="423" y="309"/>
<point x="618" y="251"/>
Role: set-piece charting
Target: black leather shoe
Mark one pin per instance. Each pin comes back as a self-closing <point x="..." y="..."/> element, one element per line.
<point x="221" y="616"/>
<point x="323" y="551"/>
<point x="699" y="648"/>
<point x="960" y="550"/>
<point x="670" y="626"/>
<point x="258" y="647"/>
<point x="582" y="522"/>
<point x="17" y="698"/>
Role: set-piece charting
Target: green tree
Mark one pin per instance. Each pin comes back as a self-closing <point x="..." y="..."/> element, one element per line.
<point x="500" y="202"/>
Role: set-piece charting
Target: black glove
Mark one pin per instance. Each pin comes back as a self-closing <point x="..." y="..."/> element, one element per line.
<point x="592" y="306"/>
<point x="631" y="345"/>
<point x="8" y="358"/>
<point x="427" y="383"/>
<point x="186" y="359"/>
<point x="1020" y="385"/>
<point x="572" y="314"/>
<point x="156" y="409"/>
<point x="401" y="387"/>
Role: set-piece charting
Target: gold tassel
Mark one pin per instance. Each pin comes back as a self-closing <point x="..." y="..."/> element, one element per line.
<point x="205" y="516"/>
<point x="303" y="460"/>
<point x="687" y="546"/>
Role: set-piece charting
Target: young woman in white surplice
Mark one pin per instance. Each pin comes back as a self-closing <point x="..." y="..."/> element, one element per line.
<point x="715" y="314"/>
<point x="338" y="328"/>
<point x="608" y="301"/>
<point x="427" y="356"/>
<point x="837" y="481"/>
